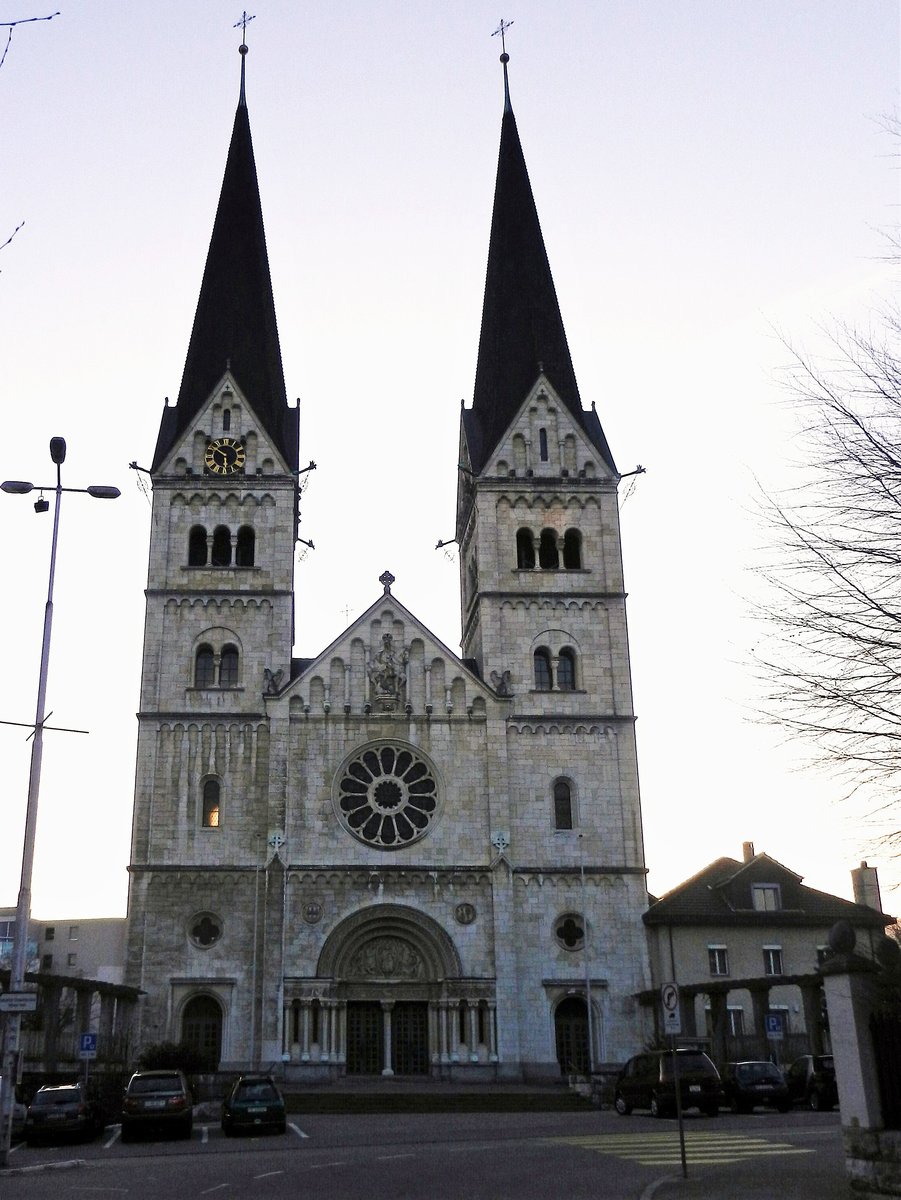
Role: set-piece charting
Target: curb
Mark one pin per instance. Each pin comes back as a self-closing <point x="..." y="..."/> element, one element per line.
<point x="650" y="1190"/>
<point x="68" y="1165"/>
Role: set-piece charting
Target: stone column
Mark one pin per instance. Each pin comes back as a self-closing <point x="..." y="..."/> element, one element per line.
<point x="51" y="998"/>
<point x="849" y="987"/>
<point x="453" y="1023"/>
<point x="491" y="1018"/>
<point x="305" y="1033"/>
<point x="434" y="1021"/>
<point x="325" y="1044"/>
<point x="341" y="1051"/>
<point x="811" y="1000"/>
<point x="473" y="1030"/>
<point x="688" y="1012"/>
<point x="442" y="1030"/>
<point x="387" y="1006"/>
<point x="105" y="1032"/>
<point x="287" y="1028"/>
<point x="760" y="1003"/>
<point x="718" y="1026"/>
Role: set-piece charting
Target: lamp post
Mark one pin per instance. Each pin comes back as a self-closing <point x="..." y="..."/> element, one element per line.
<point x="23" y="907"/>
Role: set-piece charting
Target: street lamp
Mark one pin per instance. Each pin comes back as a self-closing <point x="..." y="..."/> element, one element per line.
<point x="18" y="487"/>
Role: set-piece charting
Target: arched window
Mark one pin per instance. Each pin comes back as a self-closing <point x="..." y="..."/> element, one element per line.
<point x="542" y="444"/>
<point x="245" y="546"/>
<point x="228" y="667"/>
<point x="563" y="805"/>
<point x="542" y="669"/>
<point x="566" y="670"/>
<point x="222" y="547"/>
<point x="572" y="550"/>
<point x="210" y="817"/>
<point x="197" y="546"/>
<point x="226" y="420"/>
<point x="548" y="556"/>
<point x="525" y="549"/>
<point x="205" y="667"/>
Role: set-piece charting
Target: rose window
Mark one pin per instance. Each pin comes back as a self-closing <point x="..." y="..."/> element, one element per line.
<point x="570" y="931"/>
<point x="205" y="930"/>
<point x="387" y="796"/>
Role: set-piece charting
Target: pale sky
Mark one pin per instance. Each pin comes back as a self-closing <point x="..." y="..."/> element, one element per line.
<point x="707" y="172"/>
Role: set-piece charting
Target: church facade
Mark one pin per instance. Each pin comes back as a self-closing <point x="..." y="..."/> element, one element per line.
<point x="388" y="858"/>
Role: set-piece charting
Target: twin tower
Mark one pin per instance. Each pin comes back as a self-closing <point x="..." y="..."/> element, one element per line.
<point x="387" y="859"/>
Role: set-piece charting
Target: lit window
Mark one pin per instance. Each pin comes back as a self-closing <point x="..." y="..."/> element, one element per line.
<point x="718" y="960"/>
<point x="211" y="804"/>
<point x="772" y="960"/>
<point x="563" y="805"/>
<point x="766" y="897"/>
<point x="205" y="667"/>
<point x="542" y="658"/>
<point x="566" y="670"/>
<point x="228" y="667"/>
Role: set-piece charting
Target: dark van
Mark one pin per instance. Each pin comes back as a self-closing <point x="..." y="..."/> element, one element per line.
<point x="647" y="1081"/>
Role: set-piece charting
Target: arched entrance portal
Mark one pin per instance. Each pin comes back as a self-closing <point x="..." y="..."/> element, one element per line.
<point x="389" y="998"/>
<point x="201" y="1029"/>
<point x="571" y="1030"/>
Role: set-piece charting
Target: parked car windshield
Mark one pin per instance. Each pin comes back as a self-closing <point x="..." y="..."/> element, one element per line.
<point x="257" y="1091"/>
<point x="155" y="1083"/>
<point x="757" y="1072"/>
<point x="57" y="1096"/>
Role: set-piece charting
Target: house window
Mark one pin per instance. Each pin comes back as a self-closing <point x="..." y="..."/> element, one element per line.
<point x="566" y="670"/>
<point x="525" y="550"/>
<point x="718" y="960"/>
<point x="211" y="804"/>
<point x="736" y="1019"/>
<point x="46" y="962"/>
<point x="197" y="548"/>
<point x="772" y="960"/>
<point x="71" y="960"/>
<point x="222" y="547"/>
<point x="563" y="805"/>
<point x="205" y="667"/>
<point x="542" y="444"/>
<point x="548" y="555"/>
<point x="572" y="550"/>
<point x="766" y="897"/>
<point x="228" y="667"/>
<point x="245" y="547"/>
<point x="49" y="933"/>
<point x="542" y="658"/>
<point x="73" y="933"/>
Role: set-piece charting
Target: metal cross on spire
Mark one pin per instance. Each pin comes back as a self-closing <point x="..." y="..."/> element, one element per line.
<point x="242" y="49"/>
<point x="243" y="23"/>
<point x="502" y="29"/>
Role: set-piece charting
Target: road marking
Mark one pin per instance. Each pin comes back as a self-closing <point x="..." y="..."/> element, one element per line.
<point x="662" y="1149"/>
<point x="217" y="1188"/>
<point x="269" y="1174"/>
<point x="319" y="1166"/>
<point x="204" y="1134"/>
<point x="299" y="1132"/>
<point x="117" y="1133"/>
<point x="389" y="1157"/>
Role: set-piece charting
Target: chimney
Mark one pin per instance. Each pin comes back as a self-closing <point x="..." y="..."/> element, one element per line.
<point x="747" y="851"/>
<point x="865" y="882"/>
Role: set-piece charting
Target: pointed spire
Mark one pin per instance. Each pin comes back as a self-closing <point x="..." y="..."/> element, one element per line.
<point x="235" y="325"/>
<point x="522" y="330"/>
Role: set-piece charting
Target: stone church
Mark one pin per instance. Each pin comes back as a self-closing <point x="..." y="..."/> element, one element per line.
<point x="387" y="859"/>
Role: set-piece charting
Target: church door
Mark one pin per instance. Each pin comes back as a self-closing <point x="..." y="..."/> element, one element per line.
<point x="571" y="1027"/>
<point x="410" y="1038"/>
<point x="365" y="1038"/>
<point x="202" y="1030"/>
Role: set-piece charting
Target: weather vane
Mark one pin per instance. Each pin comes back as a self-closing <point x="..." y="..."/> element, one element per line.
<point x="502" y="29"/>
<point x="243" y="23"/>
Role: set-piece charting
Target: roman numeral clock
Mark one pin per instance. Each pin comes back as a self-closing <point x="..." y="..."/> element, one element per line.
<point x="224" y="456"/>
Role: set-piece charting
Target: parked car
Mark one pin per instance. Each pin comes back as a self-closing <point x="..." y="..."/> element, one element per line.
<point x="647" y="1081"/>
<point x="253" y="1103"/>
<point x="19" y="1113"/>
<point x="747" y="1084"/>
<point x="65" y="1110"/>
<point x="159" y="1101"/>
<point x="811" y="1080"/>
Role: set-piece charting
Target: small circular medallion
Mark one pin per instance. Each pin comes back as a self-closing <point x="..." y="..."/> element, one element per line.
<point x="312" y="912"/>
<point x="465" y="913"/>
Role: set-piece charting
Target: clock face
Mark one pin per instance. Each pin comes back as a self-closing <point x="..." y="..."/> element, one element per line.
<point x="224" y="456"/>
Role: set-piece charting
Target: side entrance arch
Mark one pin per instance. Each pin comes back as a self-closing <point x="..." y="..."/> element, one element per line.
<point x="201" y="1029"/>
<point x="571" y="1034"/>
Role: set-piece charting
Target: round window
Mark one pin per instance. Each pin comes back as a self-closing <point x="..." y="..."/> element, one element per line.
<point x="387" y="796"/>
<point x="205" y="929"/>
<point x="570" y="931"/>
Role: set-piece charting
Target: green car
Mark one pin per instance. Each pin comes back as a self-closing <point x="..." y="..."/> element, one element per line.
<point x="254" y="1104"/>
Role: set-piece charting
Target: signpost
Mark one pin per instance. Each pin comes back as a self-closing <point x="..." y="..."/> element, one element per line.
<point x="19" y="1002"/>
<point x="87" y="1050"/>
<point x="672" y="1025"/>
<point x="773" y="1024"/>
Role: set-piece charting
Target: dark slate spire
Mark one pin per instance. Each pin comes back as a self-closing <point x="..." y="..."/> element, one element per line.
<point x="235" y="326"/>
<point x="522" y="330"/>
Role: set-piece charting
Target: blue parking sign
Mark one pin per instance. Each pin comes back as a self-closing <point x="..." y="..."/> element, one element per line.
<point x="774" y="1024"/>
<point x="87" y="1045"/>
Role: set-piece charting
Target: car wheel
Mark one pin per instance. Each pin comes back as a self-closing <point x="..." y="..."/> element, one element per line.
<point x="784" y="1107"/>
<point x="187" y="1130"/>
<point x="283" y="1128"/>
<point x="815" y="1100"/>
<point x="127" y="1135"/>
<point x="621" y="1105"/>
<point x="657" y="1109"/>
<point x="712" y="1110"/>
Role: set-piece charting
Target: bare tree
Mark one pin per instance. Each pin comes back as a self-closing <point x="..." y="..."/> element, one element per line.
<point x="831" y="655"/>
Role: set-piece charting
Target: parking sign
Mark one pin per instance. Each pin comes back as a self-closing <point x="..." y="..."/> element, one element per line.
<point x="87" y="1045"/>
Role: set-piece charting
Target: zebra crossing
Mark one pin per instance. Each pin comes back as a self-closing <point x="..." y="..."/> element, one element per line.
<point x="662" y="1149"/>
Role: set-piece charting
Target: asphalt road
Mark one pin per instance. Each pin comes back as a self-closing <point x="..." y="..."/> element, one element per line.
<point x="473" y="1156"/>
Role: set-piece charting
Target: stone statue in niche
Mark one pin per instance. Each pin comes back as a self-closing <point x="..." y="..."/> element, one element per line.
<point x="272" y="681"/>
<point x="502" y="682"/>
<point x="386" y="958"/>
<point x="387" y="673"/>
